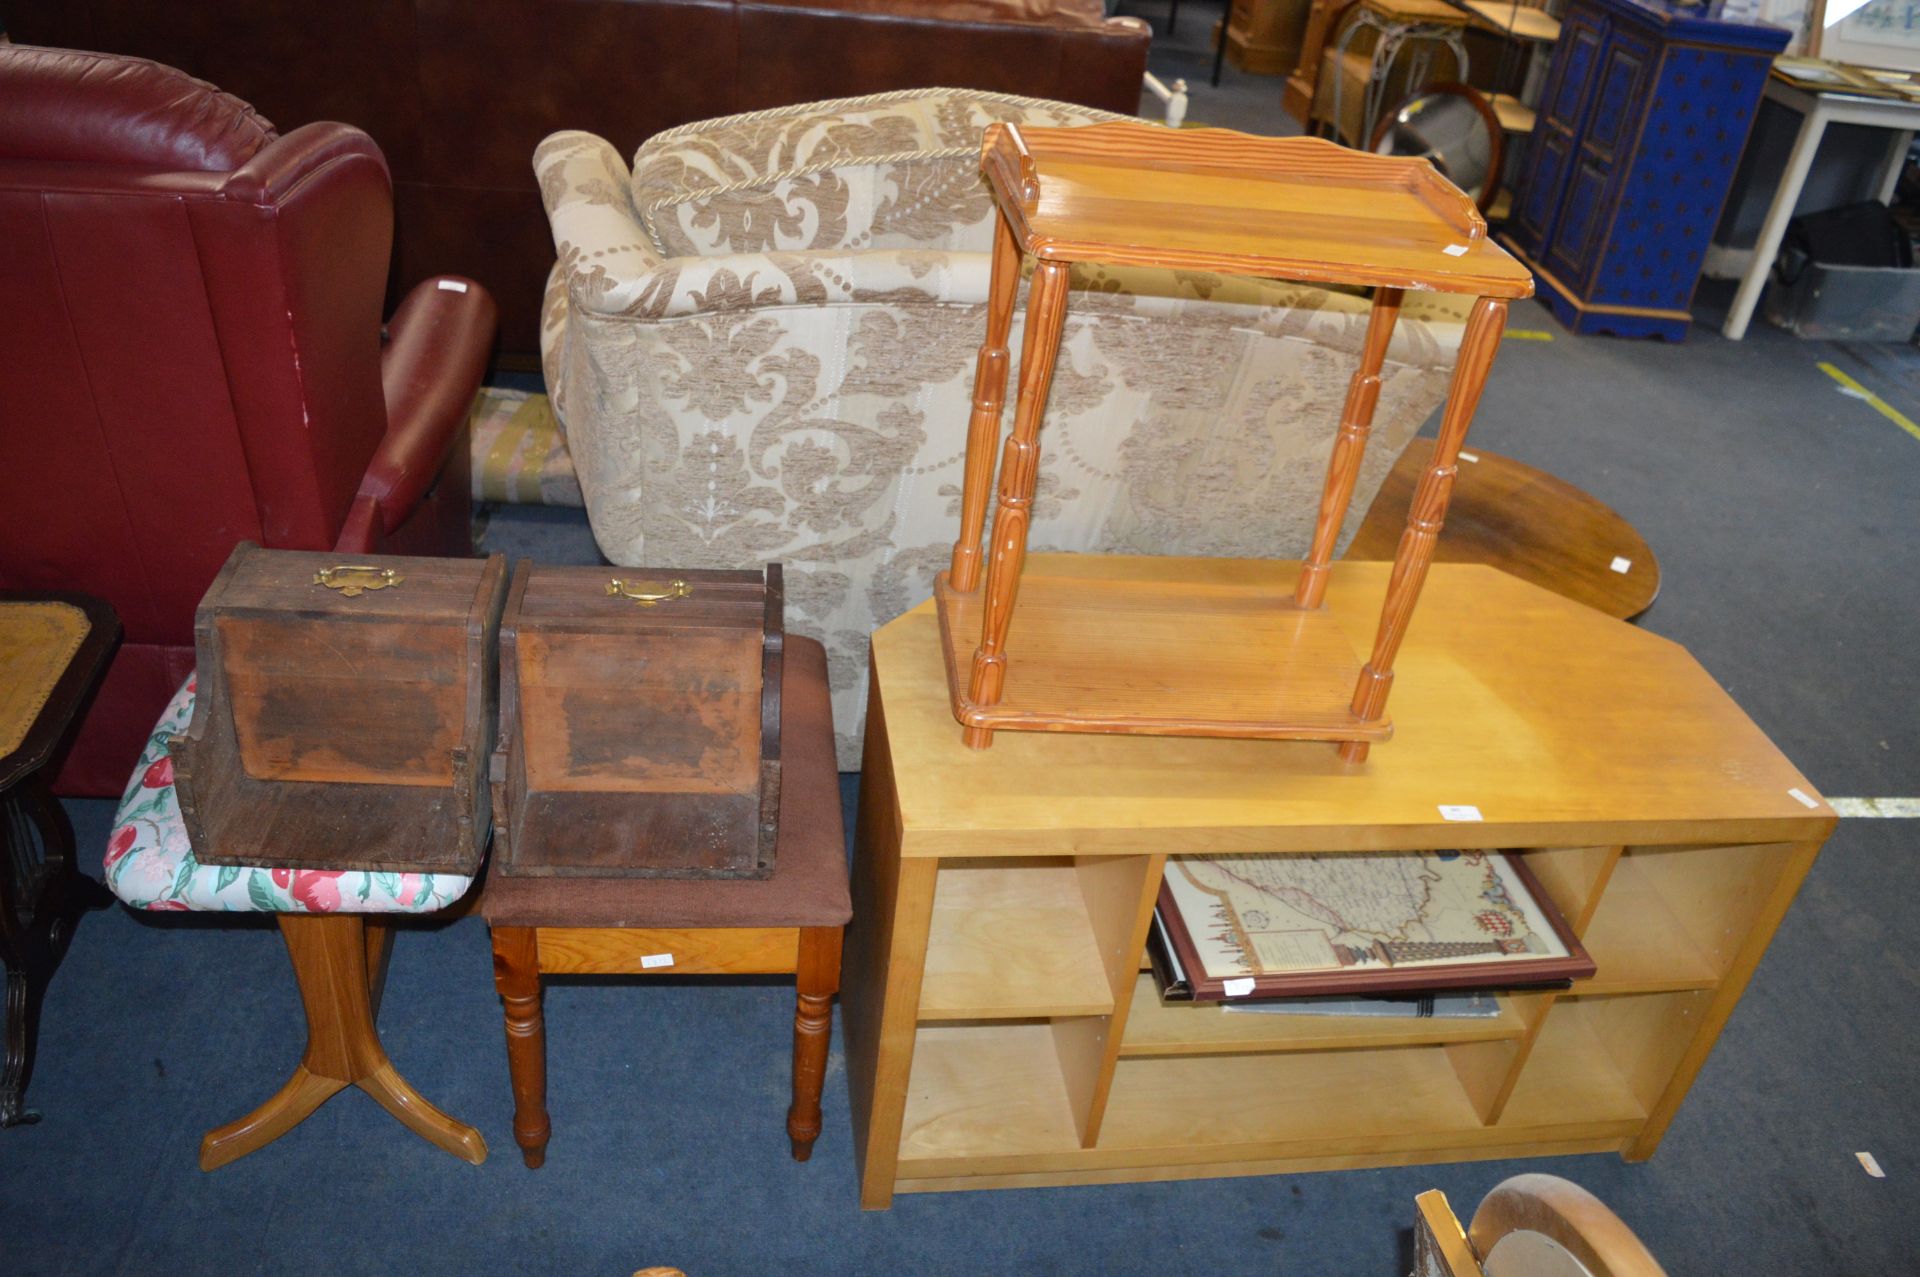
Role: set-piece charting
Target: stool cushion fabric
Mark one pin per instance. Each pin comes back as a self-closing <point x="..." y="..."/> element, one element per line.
<point x="150" y="866"/>
<point x="809" y="883"/>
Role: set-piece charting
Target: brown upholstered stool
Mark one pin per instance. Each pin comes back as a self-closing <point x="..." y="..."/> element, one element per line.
<point x="790" y="922"/>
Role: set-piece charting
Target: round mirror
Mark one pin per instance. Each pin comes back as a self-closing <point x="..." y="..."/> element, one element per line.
<point x="1454" y="126"/>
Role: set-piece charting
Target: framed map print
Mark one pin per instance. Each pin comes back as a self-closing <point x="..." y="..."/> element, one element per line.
<point x="1295" y="926"/>
<point x="1879" y="33"/>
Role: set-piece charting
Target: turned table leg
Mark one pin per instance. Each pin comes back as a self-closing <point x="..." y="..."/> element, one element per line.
<point x="1349" y="449"/>
<point x="516" y="974"/>
<point x="989" y="399"/>
<point x="329" y="953"/>
<point x="1427" y="513"/>
<point x="817" y="979"/>
<point x="1019" y="472"/>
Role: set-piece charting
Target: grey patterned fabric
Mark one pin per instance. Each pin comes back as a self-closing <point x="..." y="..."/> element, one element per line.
<point x="760" y="343"/>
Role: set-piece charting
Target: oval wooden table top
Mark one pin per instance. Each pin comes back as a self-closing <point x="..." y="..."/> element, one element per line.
<point x="1527" y="523"/>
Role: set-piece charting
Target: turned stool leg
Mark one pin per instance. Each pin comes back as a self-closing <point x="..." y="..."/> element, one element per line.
<point x="1349" y="449"/>
<point x="1427" y="513"/>
<point x="817" y="979"/>
<point x="989" y="399"/>
<point x="1019" y="472"/>
<point x="329" y="953"/>
<point x="516" y="974"/>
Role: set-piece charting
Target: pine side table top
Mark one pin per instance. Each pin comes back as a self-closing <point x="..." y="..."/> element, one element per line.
<point x="1300" y="209"/>
<point x="1558" y="724"/>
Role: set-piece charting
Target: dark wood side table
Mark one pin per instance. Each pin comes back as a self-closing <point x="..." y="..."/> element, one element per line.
<point x="1527" y="523"/>
<point x="790" y="922"/>
<point x="53" y="651"/>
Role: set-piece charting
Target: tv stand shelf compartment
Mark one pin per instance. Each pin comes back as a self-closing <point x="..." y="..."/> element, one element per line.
<point x="1001" y="1033"/>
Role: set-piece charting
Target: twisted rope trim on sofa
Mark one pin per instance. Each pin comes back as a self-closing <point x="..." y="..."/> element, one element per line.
<point x="860" y="103"/>
<point x="845" y="158"/>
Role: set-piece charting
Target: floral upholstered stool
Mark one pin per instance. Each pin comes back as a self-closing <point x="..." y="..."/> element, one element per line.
<point x="339" y="954"/>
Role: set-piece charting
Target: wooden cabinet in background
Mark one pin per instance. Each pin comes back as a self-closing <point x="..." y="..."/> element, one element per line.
<point x="1263" y="36"/>
<point x="1001" y="1033"/>
<point x="1641" y="123"/>
<point x="1323" y="19"/>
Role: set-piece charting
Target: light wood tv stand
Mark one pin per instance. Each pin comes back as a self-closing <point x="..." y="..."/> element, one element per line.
<point x="1000" y="1032"/>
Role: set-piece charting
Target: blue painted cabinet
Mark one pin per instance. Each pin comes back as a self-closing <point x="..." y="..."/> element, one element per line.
<point x="1641" y="124"/>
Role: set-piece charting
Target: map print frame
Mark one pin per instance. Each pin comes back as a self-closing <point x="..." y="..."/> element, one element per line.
<point x="1357" y="923"/>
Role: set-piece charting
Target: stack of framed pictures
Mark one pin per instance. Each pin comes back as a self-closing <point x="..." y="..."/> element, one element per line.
<point x="1815" y="75"/>
<point x="1343" y="927"/>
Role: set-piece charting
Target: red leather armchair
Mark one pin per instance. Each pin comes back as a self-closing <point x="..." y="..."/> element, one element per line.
<point x="191" y="354"/>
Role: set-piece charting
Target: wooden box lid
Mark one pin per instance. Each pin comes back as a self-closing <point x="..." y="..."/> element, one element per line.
<point x="640" y="723"/>
<point x="343" y="713"/>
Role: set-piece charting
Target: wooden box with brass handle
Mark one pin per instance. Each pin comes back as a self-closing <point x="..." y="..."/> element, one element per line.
<point x="344" y="712"/>
<point x="639" y="723"/>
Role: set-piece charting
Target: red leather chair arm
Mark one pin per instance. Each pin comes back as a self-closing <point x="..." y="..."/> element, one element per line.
<point x="437" y="347"/>
<point x="276" y="172"/>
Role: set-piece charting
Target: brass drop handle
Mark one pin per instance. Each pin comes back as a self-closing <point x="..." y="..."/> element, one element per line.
<point x="355" y="579"/>
<point x="648" y="593"/>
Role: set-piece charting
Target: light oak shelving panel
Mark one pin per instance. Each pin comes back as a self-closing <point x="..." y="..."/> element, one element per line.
<point x="984" y="1090"/>
<point x="1002" y="1090"/>
<point x="1012" y="940"/>
<point x="1605" y="1058"/>
<point x="1269" y="1100"/>
<point x="999" y="1031"/>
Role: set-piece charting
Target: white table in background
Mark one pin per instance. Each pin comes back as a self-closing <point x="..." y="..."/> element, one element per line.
<point x="1817" y="111"/>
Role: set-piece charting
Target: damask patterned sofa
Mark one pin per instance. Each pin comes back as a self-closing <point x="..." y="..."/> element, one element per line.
<point x="760" y="343"/>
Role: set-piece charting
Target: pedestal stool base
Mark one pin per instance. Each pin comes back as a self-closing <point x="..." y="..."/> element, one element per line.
<point x="340" y="964"/>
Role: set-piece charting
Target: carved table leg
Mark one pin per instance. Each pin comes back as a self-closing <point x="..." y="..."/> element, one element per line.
<point x="516" y="974"/>
<point x="24" y="993"/>
<point x="42" y="895"/>
<point x="817" y="979"/>
<point x="1349" y="449"/>
<point x="329" y="953"/>
<point x="1427" y="513"/>
<point x="1019" y="472"/>
<point x="989" y="399"/>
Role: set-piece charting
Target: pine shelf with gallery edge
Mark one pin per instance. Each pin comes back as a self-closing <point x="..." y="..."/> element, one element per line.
<point x="1099" y="649"/>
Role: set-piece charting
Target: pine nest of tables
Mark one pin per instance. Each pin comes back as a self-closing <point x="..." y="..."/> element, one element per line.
<point x="1123" y="646"/>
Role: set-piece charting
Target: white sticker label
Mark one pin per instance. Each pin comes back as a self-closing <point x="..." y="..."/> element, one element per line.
<point x="1620" y="565"/>
<point x="1455" y="250"/>
<point x="1803" y="798"/>
<point x="452" y="286"/>
<point x="1870" y="1165"/>
<point x="1238" y="988"/>
<point x="1469" y="456"/>
<point x="1448" y="812"/>
<point x="657" y="960"/>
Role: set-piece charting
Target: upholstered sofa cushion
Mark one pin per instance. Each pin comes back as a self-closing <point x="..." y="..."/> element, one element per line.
<point x="150" y="865"/>
<point x="896" y="170"/>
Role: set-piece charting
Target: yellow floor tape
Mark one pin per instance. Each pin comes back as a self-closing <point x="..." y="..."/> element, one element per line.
<point x="1879" y="405"/>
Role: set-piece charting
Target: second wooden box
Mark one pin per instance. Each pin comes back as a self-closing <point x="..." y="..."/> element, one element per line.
<point x="639" y="723"/>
